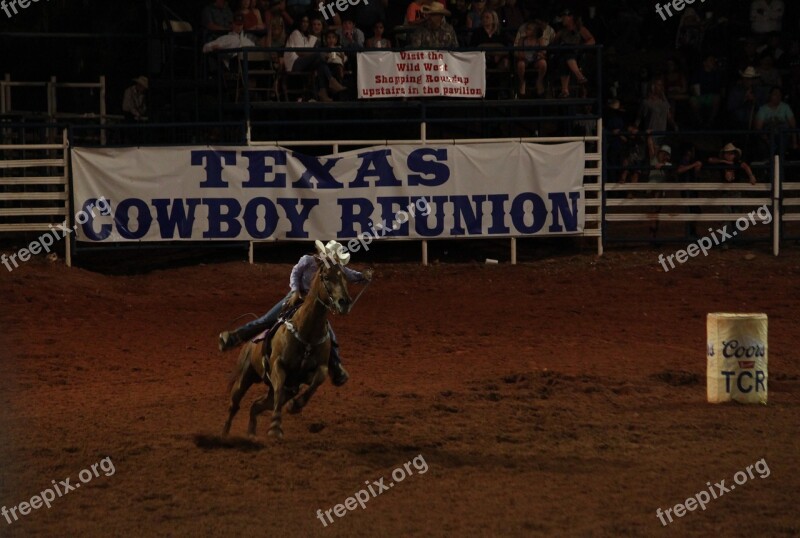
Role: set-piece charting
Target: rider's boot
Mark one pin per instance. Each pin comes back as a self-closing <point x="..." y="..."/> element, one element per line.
<point x="229" y="340"/>
<point x="336" y="371"/>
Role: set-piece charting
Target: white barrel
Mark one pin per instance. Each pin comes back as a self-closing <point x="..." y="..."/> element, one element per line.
<point x="737" y="358"/>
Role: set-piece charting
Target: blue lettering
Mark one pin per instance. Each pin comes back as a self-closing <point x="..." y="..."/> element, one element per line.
<point x="473" y="219"/>
<point x="421" y="222"/>
<point x="350" y="217"/>
<point x="760" y="377"/>
<point x="375" y="164"/>
<point x="216" y="218"/>
<point x="258" y="169"/>
<point x="143" y="218"/>
<point x="177" y="218"/>
<point x="498" y="214"/>
<point x="727" y="380"/>
<point x="439" y="171"/>
<point x="389" y="215"/>
<point x="251" y="218"/>
<point x="560" y="206"/>
<point x="213" y="161"/>
<point x="518" y="213"/>
<point x="88" y="226"/>
<point x="297" y="218"/>
<point x="315" y="169"/>
<point x="739" y="382"/>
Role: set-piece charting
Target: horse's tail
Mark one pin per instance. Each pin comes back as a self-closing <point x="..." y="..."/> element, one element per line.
<point x="241" y="365"/>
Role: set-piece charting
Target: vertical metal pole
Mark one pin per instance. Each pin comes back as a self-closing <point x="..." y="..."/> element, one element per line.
<point x="102" y="110"/>
<point x="513" y="251"/>
<point x="776" y="203"/>
<point x="52" y="106"/>
<point x="425" y="253"/>
<point x="601" y="193"/>
<point x="250" y="254"/>
<point x="68" y="197"/>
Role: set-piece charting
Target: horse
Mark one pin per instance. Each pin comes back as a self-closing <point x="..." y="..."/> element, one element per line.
<point x="299" y="354"/>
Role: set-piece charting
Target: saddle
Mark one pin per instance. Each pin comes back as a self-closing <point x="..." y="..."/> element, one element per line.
<point x="266" y="336"/>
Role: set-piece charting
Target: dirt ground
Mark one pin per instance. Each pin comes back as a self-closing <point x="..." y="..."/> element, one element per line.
<point x="561" y="397"/>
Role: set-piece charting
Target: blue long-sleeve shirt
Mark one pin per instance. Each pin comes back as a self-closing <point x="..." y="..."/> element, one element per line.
<point x="303" y="274"/>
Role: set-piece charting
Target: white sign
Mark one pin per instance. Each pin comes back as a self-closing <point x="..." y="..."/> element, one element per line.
<point x="421" y="74"/>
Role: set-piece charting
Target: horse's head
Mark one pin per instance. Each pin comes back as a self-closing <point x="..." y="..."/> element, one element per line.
<point x="333" y="292"/>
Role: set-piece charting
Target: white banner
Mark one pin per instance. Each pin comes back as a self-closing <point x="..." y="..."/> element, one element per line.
<point x="507" y="189"/>
<point x="421" y="74"/>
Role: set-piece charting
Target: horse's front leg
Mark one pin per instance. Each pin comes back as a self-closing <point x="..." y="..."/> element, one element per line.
<point x="278" y="377"/>
<point x="299" y="402"/>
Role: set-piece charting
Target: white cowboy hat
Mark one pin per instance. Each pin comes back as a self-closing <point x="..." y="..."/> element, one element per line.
<point x="142" y="80"/>
<point x="333" y="250"/>
<point x="666" y="149"/>
<point x="730" y="148"/>
<point x="749" y="72"/>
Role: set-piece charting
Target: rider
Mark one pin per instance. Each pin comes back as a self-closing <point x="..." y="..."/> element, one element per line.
<point x="300" y="282"/>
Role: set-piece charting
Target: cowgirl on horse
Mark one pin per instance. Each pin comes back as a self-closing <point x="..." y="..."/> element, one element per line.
<point x="300" y="282"/>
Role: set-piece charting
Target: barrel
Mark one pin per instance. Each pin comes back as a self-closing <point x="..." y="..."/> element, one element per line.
<point x="736" y="358"/>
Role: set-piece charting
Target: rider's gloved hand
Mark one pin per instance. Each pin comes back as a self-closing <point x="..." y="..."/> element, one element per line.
<point x="367" y="274"/>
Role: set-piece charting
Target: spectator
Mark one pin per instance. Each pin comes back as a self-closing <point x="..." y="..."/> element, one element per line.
<point x="747" y="56"/>
<point x="707" y="91"/>
<point x="367" y="15"/>
<point x="572" y="33"/>
<point x="535" y="59"/>
<point x="689" y="38"/>
<point x="252" y="17"/>
<point x="134" y="106"/>
<point x="217" y="18"/>
<point x="511" y="18"/>
<point x="414" y="15"/>
<point x="675" y="84"/>
<point x="633" y="157"/>
<point x="235" y="39"/>
<point x="734" y="169"/>
<point x="489" y="36"/>
<point x="377" y="41"/>
<point x="349" y="36"/>
<point x="277" y="10"/>
<point x="660" y="165"/>
<point x="335" y="60"/>
<point x="318" y="29"/>
<point x="766" y="16"/>
<point x="614" y="122"/>
<point x="745" y="99"/>
<point x="655" y="114"/>
<point x="300" y="62"/>
<point x="434" y="32"/>
<point x="474" y="15"/>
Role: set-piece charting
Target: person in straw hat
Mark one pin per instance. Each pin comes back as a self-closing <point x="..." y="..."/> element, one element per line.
<point x="434" y="32"/>
<point x="134" y="106"/>
<point x="300" y="282"/>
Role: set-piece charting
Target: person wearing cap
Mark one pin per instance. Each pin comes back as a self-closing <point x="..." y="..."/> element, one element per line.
<point x="300" y="280"/>
<point x="660" y="165"/>
<point x="235" y="39"/>
<point x="435" y="32"/>
<point x="134" y="106"/>
<point x="745" y="99"/>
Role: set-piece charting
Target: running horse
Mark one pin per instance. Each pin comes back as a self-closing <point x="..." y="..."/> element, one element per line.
<point x="299" y="353"/>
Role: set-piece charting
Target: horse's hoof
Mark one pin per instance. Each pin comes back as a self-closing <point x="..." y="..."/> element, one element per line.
<point x="294" y="408"/>
<point x="277" y="433"/>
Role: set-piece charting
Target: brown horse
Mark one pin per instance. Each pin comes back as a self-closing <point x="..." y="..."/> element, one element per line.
<point x="300" y="351"/>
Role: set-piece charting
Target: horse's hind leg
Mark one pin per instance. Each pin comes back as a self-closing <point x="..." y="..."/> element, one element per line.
<point x="247" y="376"/>
<point x="278" y="377"/>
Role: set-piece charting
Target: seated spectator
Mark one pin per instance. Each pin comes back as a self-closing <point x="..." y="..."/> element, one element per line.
<point x="300" y="62"/>
<point x="511" y="18"/>
<point x="660" y="165"/>
<point x="707" y="92"/>
<point x="335" y="60"/>
<point x="689" y="39"/>
<point x="349" y="36"/>
<point x="474" y="16"/>
<point x="573" y="32"/>
<point x="734" y="169"/>
<point x="434" y="32"/>
<point x="217" y="18"/>
<point x="655" y="114"/>
<point x="535" y="59"/>
<point x="458" y="19"/>
<point x="134" y="106"/>
<point x="745" y="99"/>
<point x="414" y="15"/>
<point x="318" y="29"/>
<point x="235" y="39"/>
<point x="776" y="114"/>
<point x="277" y="9"/>
<point x="252" y="17"/>
<point x="489" y="35"/>
<point x="766" y="16"/>
<point x="377" y="41"/>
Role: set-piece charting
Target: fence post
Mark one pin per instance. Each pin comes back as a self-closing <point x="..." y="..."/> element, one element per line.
<point x="601" y="151"/>
<point x="777" y="168"/>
